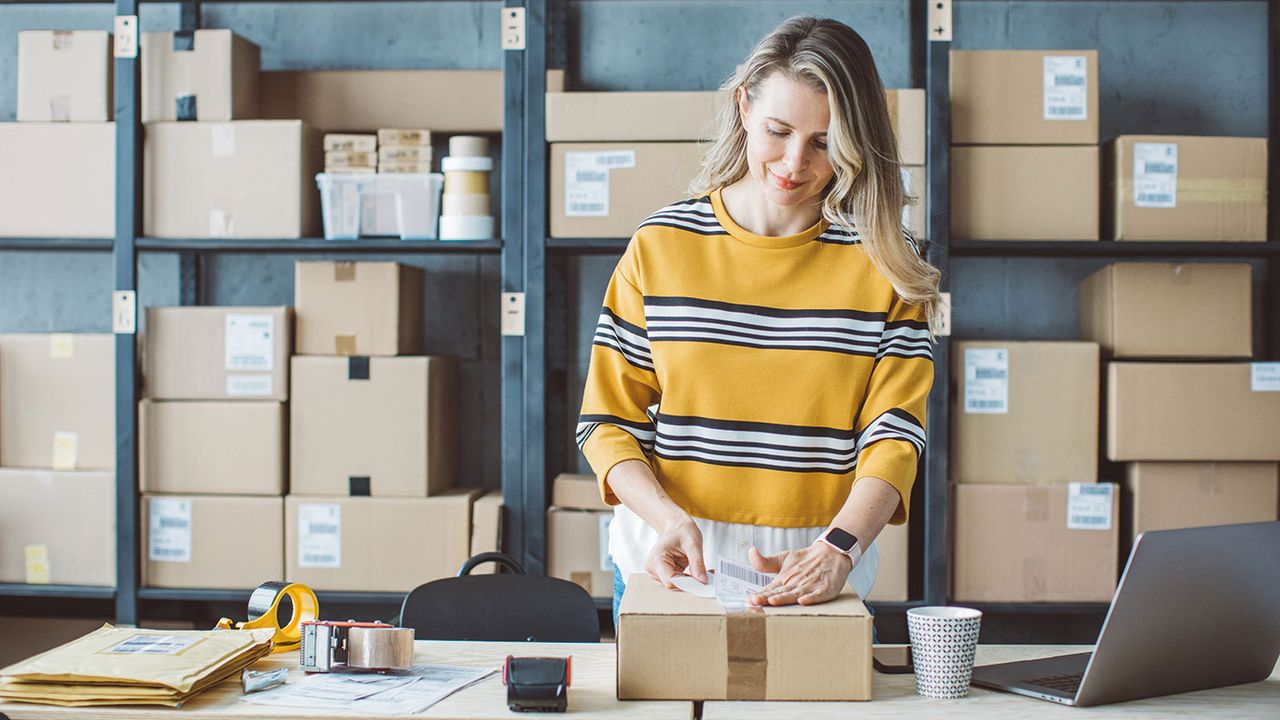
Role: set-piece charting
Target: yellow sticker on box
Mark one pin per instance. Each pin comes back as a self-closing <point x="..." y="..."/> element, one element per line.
<point x="37" y="557"/>
<point x="66" y="449"/>
<point x="62" y="346"/>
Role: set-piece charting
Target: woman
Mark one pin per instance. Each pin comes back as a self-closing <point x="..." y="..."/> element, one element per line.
<point x="760" y="369"/>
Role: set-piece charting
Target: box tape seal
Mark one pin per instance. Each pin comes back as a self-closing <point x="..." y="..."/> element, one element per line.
<point x="1208" y="191"/>
<point x="746" y="646"/>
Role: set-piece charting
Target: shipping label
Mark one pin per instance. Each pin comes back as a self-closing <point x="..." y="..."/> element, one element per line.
<point x="250" y="341"/>
<point x="586" y="180"/>
<point x="248" y="385"/>
<point x="320" y="535"/>
<point x="169" y="536"/>
<point x="155" y="644"/>
<point x="1066" y="87"/>
<point x="1089" y="506"/>
<point x="1265" y="377"/>
<point x="986" y="380"/>
<point x="1155" y="175"/>
<point x="735" y="582"/>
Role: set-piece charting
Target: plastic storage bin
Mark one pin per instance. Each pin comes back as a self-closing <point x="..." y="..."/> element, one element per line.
<point x="356" y="206"/>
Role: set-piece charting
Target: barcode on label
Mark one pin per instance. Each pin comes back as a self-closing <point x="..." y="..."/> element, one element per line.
<point x="163" y="552"/>
<point x="990" y="373"/>
<point x="1066" y="111"/>
<point x="322" y="528"/>
<point x="1068" y="80"/>
<point x="1088" y="520"/>
<point x="986" y="404"/>
<point x="612" y="160"/>
<point x="1163" y="198"/>
<point x="315" y="559"/>
<point x="167" y="523"/>
<point x="591" y="176"/>
<point x="155" y="644"/>
<point x="577" y="207"/>
<point x="1163" y="168"/>
<point x="1100" y="490"/>
<point x="744" y="574"/>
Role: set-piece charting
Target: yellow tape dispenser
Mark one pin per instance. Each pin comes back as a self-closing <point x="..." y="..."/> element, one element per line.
<point x="264" y="606"/>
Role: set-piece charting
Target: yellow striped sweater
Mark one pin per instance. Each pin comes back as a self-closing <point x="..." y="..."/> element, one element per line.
<point x="758" y="376"/>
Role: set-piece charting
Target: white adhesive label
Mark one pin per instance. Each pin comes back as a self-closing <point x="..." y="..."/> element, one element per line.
<point x="219" y="223"/>
<point x="1265" y="377"/>
<point x="62" y="346"/>
<point x="66" y="450"/>
<point x="735" y="582"/>
<point x="1089" y="506"/>
<point x="1066" y="87"/>
<point x="606" y="560"/>
<point x="156" y="644"/>
<point x="222" y="140"/>
<point x="1155" y="175"/>
<point x="320" y="535"/>
<point x="586" y="180"/>
<point x="986" y="380"/>
<point x="169" y="522"/>
<point x="248" y="385"/>
<point x="250" y="342"/>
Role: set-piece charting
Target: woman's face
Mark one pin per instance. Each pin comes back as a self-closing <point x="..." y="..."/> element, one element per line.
<point x="787" y="140"/>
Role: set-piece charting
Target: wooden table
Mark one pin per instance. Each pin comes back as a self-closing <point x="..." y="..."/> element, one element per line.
<point x="895" y="696"/>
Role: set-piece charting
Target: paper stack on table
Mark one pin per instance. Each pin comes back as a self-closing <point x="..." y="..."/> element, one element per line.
<point x="127" y="666"/>
<point x="396" y="692"/>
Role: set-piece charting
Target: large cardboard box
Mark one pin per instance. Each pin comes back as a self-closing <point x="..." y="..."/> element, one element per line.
<point x="212" y="448"/>
<point x="1035" y="543"/>
<point x="608" y="189"/>
<point x="244" y="179"/>
<point x="369" y="544"/>
<point x="212" y="76"/>
<point x="64" y="76"/>
<point x="57" y="527"/>
<point x="57" y="401"/>
<point x="200" y="541"/>
<point x="382" y="426"/>
<point x="218" y="353"/>
<point x="1195" y="310"/>
<point x="1178" y="187"/>
<point x="1025" y="412"/>
<point x="674" y="646"/>
<point x="577" y="492"/>
<point x="486" y="529"/>
<point x="1024" y="193"/>
<point x="358" y="308"/>
<point x="578" y="549"/>
<point x="63" y="176"/>
<point x="892" y="580"/>
<point x="1024" y="97"/>
<point x="1167" y="496"/>
<point x="1193" y="411"/>
<point x="630" y="116"/>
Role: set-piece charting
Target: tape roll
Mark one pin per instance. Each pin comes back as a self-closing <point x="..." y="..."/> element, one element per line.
<point x="466" y="182"/>
<point x="466" y="227"/>
<point x="380" y="648"/>
<point x="264" y="606"/>
<point x="465" y="204"/>
<point x="466" y="164"/>
<point x="468" y="146"/>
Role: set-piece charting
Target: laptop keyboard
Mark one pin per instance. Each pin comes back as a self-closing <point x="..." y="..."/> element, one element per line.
<point x="1065" y="683"/>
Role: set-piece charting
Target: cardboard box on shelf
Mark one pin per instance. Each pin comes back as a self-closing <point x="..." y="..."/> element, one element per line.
<point x="1025" y="412"/>
<point x="907" y="114"/>
<point x="212" y="448"/>
<point x="1178" y="187"/>
<point x="211" y="76"/>
<point x="64" y="180"/>
<point x="1193" y="411"/>
<point x="1024" y="193"/>
<point x="372" y="544"/>
<point x="244" y="179"/>
<point x="1035" y="543"/>
<point x="358" y="308"/>
<point x="486" y="529"/>
<point x="674" y="646"/>
<point x="205" y="541"/>
<point x="893" y="578"/>
<point x="382" y="426"/>
<point x="578" y="549"/>
<point x="1193" y="310"/>
<point x="57" y="401"/>
<point x="348" y="159"/>
<point x="217" y="353"/>
<point x="57" y="527"/>
<point x="347" y="142"/>
<point x="64" y="76"/>
<point x="1166" y="496"/>
<point x="577" y="492"/>
<point x="404" y="137"/>
<point x="630" y="116"/>
<point x="632" y="180"/>
<point x="1024" y="97"/>
<point x="915" y="216"/>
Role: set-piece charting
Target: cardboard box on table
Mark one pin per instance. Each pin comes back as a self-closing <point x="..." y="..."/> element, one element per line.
<point x="57" y="527"/>
<point x="64" y="76"/>
<point x="358" y="308"/>
<point x="211" y="541"/>
<point x="1165" y="496"/>
<point x="214" y="448"/>
<point x="217" y="353"/>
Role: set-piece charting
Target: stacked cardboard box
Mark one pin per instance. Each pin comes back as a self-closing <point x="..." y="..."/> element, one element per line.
<point x="486" y="528"/>
<point x="404" y="150"/>
<point x="350" y="154"/>
<point x="578" y="535"/>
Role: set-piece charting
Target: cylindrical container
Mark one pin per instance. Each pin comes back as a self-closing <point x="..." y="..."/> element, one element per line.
<point x="466" y="227"/>
<point x="943" y="643"/>
<point x="466" y="182"/>
<point x="468" y="146"/>
<point x="466" y="204"/>
<point x="474" y="164"/>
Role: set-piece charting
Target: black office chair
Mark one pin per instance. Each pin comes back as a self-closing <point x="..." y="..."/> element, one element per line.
<point x="503" y="607"/>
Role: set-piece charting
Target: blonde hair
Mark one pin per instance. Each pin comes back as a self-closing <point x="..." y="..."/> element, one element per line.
<point x="830" y="57"/>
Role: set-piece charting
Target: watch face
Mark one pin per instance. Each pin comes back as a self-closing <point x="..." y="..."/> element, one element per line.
<point x="841" y="539"/>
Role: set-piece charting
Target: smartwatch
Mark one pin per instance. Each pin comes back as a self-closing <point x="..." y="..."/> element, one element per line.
<point x="843" y="542"/>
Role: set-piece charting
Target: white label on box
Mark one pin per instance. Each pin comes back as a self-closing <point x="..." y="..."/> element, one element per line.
<point x="156" y="644"/>
<point x="319" y="535"/>
<point x="219" y="223"/>
<point x="1089" y="506"/>
<point x="735" y="582"/>
<point x="248" y="385"/>
<point x="1066" y="87"/>
<point x="222" y="140"/>
<point x="1266" y="377"/>
<point x="606" y="560"/>
<point x="169" y="539"/>
<point x="66" y="450"/>
<point x="1155" y="175"/>
<point x="250" y="342"/>
<point x="986" y="380"/>
<point x="906" y="188"/>
<point x="586" y="180"/>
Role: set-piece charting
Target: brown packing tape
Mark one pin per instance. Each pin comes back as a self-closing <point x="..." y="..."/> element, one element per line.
<point x="1035" y="585"/>
<point x="1210" y="480"/>
<point x="344" y="344"/>
<point x="1027" y="465"/>
<point x="1207" y="191"/>
<point x="746" y="644"/>
<point x="582" y="579"/>
<point x="1035" y="504"/>
<point x="344" y="272"/>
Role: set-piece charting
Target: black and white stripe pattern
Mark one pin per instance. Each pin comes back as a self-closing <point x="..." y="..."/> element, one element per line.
<point x="893" y="424"/>
<point x="643" y="432"/>
<point x="628" y="339"/>
<point x="840" y="236"/>
<point x="906" y="339"/>
<point x="694" y="215"/>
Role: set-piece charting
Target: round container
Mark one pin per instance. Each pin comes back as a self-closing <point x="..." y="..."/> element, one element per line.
<point x="471" y="164"/>
<point x="465" y="204"/>
<point x="466" y="227"/>
<point x="469" y="146"/>
<point x="466" y="182"/>
<point x="943" y="643"/>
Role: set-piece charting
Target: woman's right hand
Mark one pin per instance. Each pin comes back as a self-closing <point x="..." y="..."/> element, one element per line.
<point x="678" y="549"/>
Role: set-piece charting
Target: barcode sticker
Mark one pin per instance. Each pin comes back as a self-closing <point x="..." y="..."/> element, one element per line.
<point x="586" y="180"/>
<point x="248" y="385"/>
<point x="735" y="582"/>
<point x="1155" y="175"/>
<point x="249" y="342"/>
<point x="1089" y="506"/>
<point x="319" y="535"/>
<point x="155" y="644"/>
<point x="169" y="525"/>
<point x="1066" y="87"/>
<point x="986" y="380"/>
<point x="606" y="560"/>
<point x="1265" y="377"/>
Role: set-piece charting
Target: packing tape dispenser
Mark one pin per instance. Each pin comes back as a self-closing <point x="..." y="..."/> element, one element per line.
<point x="264" y="607"/>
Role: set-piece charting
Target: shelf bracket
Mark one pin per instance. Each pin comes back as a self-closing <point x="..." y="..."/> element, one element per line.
<point x="939" y="25"/>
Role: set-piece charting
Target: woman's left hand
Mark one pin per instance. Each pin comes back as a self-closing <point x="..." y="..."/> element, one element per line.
<point x="809" y="576"/>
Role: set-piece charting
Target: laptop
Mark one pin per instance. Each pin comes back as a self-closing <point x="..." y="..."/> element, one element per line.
<point x="1195" y="609"/>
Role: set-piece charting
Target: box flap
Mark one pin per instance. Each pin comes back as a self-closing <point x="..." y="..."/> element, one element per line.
<point x="646" y="596"/>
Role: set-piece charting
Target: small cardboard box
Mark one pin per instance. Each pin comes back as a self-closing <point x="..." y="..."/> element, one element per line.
<point x="1166" y="496"/>
<point x="212" y="448"/>
<point x="1193" y="411"/>
<point x="608" y="189"/>
<point x="486" y="529"/>
<point x="212" y="76"/>
<point x="1025" y="412"/>
<point x="1177" y="187"/>
<point x="577" y="492"/>
<point x="1035" y="543"/>
<point x="368" y="544"/>
<point x="62" y="176"/>
<point x="893" y="577"/>
<point x="382" y="426"/>
<point x="578" y="549"/>
<point x="1195" y="310"/>
<point x="1024" y="193"/>
<point x="57" y="527"/>
<point x="217" y="353"/>
<point x="64" y="76"/>
<point x="674" y="646"/>
<point x="245" y="179"/>
<point x="1024" y="97"/>
<point x="358" y="308"/>
<point x="224" y="542"/>
<point x="57" y="401"/>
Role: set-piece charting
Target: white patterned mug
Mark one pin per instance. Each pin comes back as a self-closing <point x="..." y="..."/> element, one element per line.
<point x="943" y="642"/>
